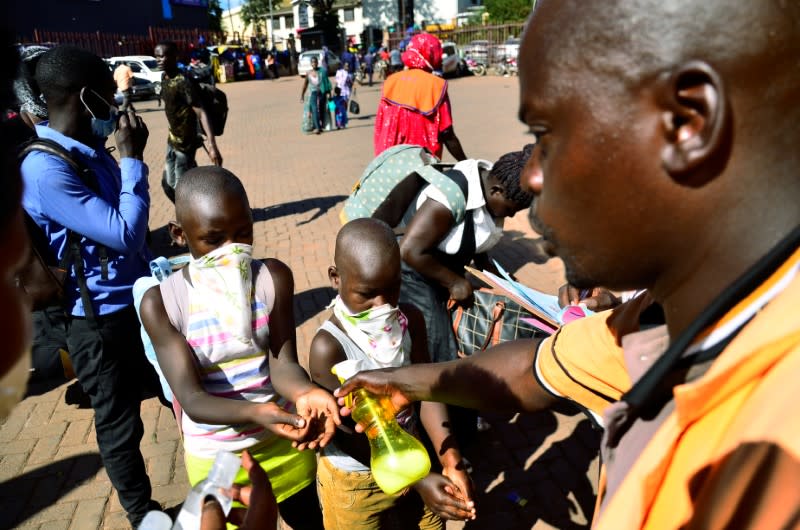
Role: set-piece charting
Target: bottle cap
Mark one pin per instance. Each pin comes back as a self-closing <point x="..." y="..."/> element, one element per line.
<point x="223" y="471"/>
<point x="344" y="371"/>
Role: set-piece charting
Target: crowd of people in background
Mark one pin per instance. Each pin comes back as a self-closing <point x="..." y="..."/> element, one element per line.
<point x="660" y="163"/>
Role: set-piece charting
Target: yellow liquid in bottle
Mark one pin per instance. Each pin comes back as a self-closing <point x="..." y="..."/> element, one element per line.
<point x="396" y="471"/>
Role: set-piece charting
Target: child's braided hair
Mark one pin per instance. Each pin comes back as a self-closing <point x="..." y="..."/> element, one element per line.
<point x="507" y="171"/>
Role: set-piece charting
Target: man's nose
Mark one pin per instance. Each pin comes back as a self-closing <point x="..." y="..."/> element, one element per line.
<point x="532" y="179"/>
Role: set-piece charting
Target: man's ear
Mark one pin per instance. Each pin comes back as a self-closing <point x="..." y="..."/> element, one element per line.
<point x="176" y="233"/>
<point x="696" y="123"/>
<point x="333" y="276"/>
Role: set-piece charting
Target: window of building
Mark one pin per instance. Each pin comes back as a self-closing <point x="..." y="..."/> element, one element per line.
<point x="276" y="23"/>
<point x="349" y="14"/>
<point x="288" y="22"/>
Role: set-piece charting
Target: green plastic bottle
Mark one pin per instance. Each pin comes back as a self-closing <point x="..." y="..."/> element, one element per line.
<point x="397" y="459"/>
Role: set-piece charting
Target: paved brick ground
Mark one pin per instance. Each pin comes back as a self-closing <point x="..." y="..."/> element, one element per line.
<point x="532" y="471"/>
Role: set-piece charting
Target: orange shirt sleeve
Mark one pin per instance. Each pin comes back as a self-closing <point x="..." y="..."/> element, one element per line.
<point x="583" y="360"/>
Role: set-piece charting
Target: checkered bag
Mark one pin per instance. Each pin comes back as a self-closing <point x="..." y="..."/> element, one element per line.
<point x="492" y="319"/>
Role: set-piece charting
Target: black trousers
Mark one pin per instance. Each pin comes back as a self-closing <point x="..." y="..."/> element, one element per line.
<point x="113" y="371"/>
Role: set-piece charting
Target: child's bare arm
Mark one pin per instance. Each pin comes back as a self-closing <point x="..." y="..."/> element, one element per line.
<point x="435" y="420"/>
<point x="177" y="362"/>
<point x="288" y="377"/>
<point x="325" y="352"/>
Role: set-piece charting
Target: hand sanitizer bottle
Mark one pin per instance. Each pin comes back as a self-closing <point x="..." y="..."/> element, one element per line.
<point x="397" y="459"/>
<point x="218" y="484"/>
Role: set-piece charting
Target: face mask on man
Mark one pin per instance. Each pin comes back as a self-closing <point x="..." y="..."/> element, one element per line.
<point x="101" y="128"/>
<point x="14" y="384"/>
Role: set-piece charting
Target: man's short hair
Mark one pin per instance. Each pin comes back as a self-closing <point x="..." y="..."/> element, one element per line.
<point x="206" y="182"/>
<point x="169" y="47"/>
<point x="64" y="70"/>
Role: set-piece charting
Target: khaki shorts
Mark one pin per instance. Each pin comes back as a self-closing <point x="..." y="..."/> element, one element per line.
<point x="351" y="500"/>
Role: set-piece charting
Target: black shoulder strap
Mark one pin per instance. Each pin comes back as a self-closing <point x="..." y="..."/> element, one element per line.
<point x="72" y="253"/>
<point x="53" y="148"/>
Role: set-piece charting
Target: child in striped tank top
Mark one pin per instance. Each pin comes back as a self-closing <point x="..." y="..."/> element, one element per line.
<point x="224" y="334"/>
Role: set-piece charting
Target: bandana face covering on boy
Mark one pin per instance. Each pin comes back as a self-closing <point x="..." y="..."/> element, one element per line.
<point x="378" y="331"/>
<point x="223" y="277"/>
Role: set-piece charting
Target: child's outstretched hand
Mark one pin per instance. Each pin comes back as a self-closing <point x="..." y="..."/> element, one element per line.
<point x="262" y="507"/>
<point x="321" y="413"/>
<point x="463" y="482"/>
<point x="443" y="496"/>
<point x="285" y="424"/>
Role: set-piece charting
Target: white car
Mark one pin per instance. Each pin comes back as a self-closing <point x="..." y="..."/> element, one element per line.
<point x="304" y="62"/>
<point x="451" y="60"/>
<point x="143" y="66"/>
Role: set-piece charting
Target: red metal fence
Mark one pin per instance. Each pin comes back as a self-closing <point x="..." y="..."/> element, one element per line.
<point x="114" y="44"/>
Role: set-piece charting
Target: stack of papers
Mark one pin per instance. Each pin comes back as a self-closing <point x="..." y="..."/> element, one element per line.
<point x="547" y="314"/>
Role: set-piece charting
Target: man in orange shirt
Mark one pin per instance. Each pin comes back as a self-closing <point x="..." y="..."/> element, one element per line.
<point x="666" y="160"/>
<point x="123" y="76"/>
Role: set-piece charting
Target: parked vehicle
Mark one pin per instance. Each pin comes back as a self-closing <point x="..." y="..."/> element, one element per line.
<point x="451" y="61"/>
<point x="143" y="66"/>
<point x="510" y="48"/>
<point x="140" y="89"/>
<point x="476" y="67"/>
<point x="304" y="62"/>
<point x="507" y="67"/>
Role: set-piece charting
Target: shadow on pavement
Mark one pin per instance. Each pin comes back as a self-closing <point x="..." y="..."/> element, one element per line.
<point x="321" y="204"/>
<point x="160" y="242"/>
<point x="309" y="303"/>
<point x="24" y="496"/>
<point x="528" y="467"/>
<point x="515" y="491"/>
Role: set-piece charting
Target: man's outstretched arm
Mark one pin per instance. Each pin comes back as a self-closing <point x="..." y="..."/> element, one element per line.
<point x="501" y="378"/>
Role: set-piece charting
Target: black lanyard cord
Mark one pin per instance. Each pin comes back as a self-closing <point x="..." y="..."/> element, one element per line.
<point x="651" y="388"/>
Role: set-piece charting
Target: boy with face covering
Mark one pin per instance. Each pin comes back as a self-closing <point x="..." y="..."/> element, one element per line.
<point x="224" y="335"/>
<point x="368" y="325"/>
<point x="110" y="221"/>
<point x="666" y="160"/>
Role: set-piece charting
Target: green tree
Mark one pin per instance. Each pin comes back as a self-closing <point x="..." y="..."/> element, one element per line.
<point x="255" y="11"/>
<point x="214" y="15"/>
<point x="508" y="10"/>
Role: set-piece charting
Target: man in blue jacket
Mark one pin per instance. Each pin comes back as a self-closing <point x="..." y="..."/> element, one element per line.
<point x="99" y="220"/>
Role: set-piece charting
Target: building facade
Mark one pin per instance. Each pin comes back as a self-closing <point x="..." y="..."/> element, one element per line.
<point x="362" y="21"/>
<point x="292" y="20"/>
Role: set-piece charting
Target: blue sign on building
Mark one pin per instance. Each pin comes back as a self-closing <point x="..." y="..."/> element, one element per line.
<point x="196" y="3"/>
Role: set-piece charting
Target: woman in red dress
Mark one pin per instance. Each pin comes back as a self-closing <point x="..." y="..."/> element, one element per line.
<point x="414" y="107"/>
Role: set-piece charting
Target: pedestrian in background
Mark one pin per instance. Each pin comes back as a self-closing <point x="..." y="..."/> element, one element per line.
<point x="184" y="108"/>
<point x="395" y="60"/>
<point x="123" y="76"/>
<point x="344" y="80"/>
<point x="315" y="109"/>
<point x="369" y="64"/>
<point x="414" y="107"/>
